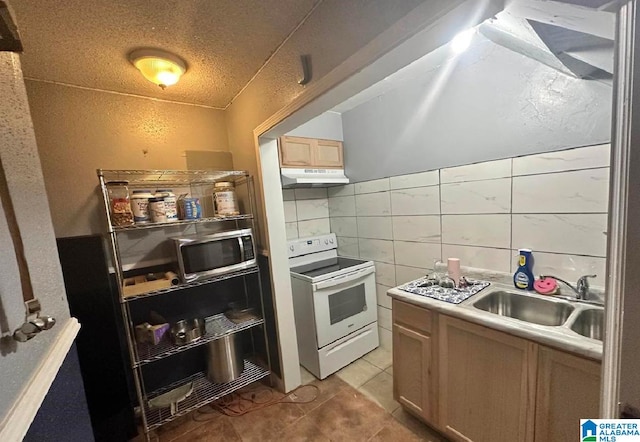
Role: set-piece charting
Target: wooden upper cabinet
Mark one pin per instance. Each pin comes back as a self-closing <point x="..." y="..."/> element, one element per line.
<point x="310" y="152"/>
<point x="487" y="383"/>
<point x="296" y="152"/>
<point x="568" y="389"/>
<point x="328" y="154"/>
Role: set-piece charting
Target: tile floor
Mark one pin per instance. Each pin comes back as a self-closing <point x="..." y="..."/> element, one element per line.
<point x="355" y="404"/>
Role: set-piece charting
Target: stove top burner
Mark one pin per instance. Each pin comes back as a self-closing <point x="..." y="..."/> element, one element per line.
<point x="326" y="266"/>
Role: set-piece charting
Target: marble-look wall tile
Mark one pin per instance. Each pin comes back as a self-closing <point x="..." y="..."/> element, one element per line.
<point x="376" y="250"/>
<point x="416" y="201"/>
<point x="572" y="159"/>
<point x="568" y="267"/>
<point x="348" y="246"/>
<point x="416" y="254"/>
<point x="424" y="228"/>
<point x="386" y="338"/>
<point x="310" y="193"/>
<point x="292" y="230"/>
<point x="422" y="179"/>
<point x="372" y="186"/>
<point x="582" y="191"/>
<point x="375" y="227"/>
<point x="312" y="209"/>
<point x="373" y="204"/>
<point x="288" y="195"/>
<point x="492" y="196"/>
<point x="290" y="212"/>
<point x="312" y="227"/>
<point x="344" y="226"/>
<point x="487" y="170"/>
<point x="384" y="318"/>
<point x="342" y="206"/>
<point x="347" y="189"/>
<point x="477" y="230"/>
<point x="575" y="234"/>
<point x="385" y="274"/>
<point x="405" y="274"/>
<point x="480" y="257"/>
<point x="381" y="294"/>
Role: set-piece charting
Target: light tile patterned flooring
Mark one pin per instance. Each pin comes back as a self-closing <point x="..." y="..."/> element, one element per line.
<point x="354" y="404"/>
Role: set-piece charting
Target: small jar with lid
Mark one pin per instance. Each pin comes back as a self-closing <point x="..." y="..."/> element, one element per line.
<point x="224" y="199"/>
<point x="170" y="203"/>
<point x="120" y="203"/>
<point x="140" y="206"/>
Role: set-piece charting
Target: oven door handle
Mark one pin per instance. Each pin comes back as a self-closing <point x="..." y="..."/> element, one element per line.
<point x="349" y="277"/>
<point x="241" y="242"/>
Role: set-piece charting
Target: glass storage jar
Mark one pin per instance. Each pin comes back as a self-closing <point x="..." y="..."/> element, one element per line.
<point x="224" y="199"/>
<point x="120" y="203"/>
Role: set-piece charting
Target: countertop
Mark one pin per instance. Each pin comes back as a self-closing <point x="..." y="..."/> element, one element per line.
<point x="560" y="337"/>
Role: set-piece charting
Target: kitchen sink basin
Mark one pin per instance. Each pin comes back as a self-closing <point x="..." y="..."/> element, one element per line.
<point x="590" y="323"/>
<point x="525" y="308"/>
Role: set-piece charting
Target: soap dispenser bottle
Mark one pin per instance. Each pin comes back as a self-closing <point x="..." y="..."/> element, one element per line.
<point x="523" y="277"/>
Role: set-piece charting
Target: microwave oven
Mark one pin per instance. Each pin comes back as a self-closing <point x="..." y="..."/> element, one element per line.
<point x="205" y="256"/>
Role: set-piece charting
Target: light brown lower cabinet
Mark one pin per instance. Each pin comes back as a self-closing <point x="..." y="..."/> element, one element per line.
<point x="413" y="380"/>
<point x="486" y="383"/>
<point x="478" y="384"/>
<point x="568" y="389"/>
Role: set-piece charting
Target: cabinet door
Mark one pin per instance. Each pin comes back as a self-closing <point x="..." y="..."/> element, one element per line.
<point x="297" y="152"/>
<point x="486" y="383"/>
<point x="568" y="390"/>
<point x="412" y="384"/>
<point x="328" y="154"/>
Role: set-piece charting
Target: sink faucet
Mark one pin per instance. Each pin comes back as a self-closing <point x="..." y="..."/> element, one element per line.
<point x="582" y="286"/>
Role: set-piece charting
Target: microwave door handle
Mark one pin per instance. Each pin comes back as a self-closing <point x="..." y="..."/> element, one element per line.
<point x="241" y="243"/>
<point x="344" y="279"/>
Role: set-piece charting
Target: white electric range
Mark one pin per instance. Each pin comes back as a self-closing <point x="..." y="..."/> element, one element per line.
<point x="334" y="300"/>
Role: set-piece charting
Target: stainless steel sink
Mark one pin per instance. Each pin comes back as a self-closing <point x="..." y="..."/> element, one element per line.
<point x="525" y="308"/>
<point x="590" y="323"/>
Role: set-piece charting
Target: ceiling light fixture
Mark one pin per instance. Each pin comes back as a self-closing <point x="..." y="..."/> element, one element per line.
<point x="462" y="40"/>
<point x="157" y="66"/>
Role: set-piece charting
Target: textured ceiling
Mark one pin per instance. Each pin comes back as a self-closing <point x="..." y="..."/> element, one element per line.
<point x="85" y="43"/>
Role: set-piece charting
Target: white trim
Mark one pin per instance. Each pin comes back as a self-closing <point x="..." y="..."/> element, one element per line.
<point x="276" y="236"/>
<point x="21" y="415"/>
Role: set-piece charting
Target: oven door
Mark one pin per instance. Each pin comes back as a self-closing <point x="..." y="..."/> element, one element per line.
<point x="344" y="304"/>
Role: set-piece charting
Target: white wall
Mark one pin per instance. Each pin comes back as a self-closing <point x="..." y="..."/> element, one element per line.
<point x="326" y="126"/>
<point x="22" y="192"/>
<point x="489" y="103"/>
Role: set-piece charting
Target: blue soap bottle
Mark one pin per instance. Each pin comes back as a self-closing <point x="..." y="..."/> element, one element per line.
<point x="523" y="277"/>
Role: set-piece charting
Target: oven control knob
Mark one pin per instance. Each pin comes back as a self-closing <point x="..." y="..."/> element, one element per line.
<point x="291" y="248"/>
<point x="331" y="241"/>
<point x="326" y="242"/>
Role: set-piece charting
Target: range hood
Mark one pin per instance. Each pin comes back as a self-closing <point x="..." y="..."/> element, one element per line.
<point x="300" y="177"/>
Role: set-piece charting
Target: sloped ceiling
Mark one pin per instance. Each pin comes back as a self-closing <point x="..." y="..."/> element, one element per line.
<point x="86" y="42"/>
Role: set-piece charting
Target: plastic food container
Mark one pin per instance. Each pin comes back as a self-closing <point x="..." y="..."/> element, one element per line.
<point x="120" y="204"/>
<point x="157" y="210"/>
<point x="140" y="206"/>
<point x="225" y="200"/>
<point x="170" y="203"/>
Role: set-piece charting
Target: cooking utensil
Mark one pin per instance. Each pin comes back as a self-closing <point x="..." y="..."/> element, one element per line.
<point x="172" y="397"/>
<point x="186" y="331"/>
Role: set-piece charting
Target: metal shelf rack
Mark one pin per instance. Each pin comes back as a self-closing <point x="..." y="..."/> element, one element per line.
<point x="198" y="183"/>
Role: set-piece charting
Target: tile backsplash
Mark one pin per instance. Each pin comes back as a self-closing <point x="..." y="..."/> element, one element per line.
<point x="306" y="212"/>
<point x="554" y="203"/>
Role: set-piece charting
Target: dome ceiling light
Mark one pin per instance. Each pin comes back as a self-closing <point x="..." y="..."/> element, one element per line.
<point x="157" y="66"/>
